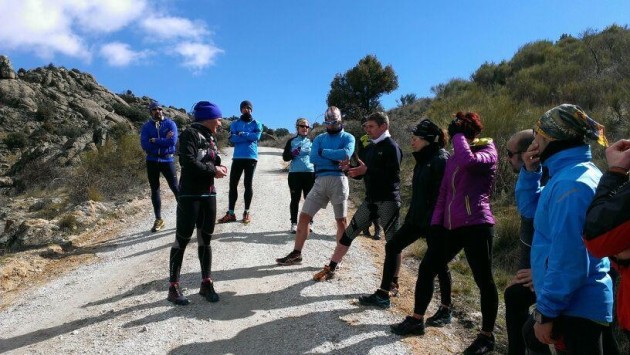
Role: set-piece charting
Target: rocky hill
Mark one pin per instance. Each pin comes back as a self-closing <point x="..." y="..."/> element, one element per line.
<point x="49" y="116"/>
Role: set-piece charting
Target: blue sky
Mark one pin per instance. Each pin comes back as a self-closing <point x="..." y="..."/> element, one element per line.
<point x="281" y="55"/>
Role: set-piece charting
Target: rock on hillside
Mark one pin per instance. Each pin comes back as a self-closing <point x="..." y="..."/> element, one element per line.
<point x="58" y="113"/>
<point x="48" y="117"/>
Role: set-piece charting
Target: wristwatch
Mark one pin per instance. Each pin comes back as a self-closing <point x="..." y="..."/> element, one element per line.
<point x="541" y="318"/>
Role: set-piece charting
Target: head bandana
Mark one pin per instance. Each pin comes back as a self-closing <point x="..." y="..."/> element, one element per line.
<point x="570" y="122"/>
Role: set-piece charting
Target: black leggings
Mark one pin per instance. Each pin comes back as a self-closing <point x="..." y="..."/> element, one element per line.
<point x="403" y="237"/>
<point x="579" y="335"/>
<point x="238" y="166"/>
<point x="153" y="173"/>
<point x="477" y="244"/>
<point x="517" y="302"/>
<point x="300" y="183"/>
<point x="193" y="212"/>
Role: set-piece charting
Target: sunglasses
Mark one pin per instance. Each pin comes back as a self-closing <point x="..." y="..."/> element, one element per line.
<point x="303" y="126"/>
<point x="510" y="153"/>
<point x="156" y="109"/>
<point x="330" y="123"/>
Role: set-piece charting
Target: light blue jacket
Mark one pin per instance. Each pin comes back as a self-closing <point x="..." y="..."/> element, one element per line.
<point x="245" y="137"/>
<point x="328" y="150"/>
<point x="300" y="163"/>
<point x="567" y="279"/>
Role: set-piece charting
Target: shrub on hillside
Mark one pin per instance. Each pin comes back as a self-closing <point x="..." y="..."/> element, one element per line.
<point x="16" y="140"/>
<point x="115" y="169"/>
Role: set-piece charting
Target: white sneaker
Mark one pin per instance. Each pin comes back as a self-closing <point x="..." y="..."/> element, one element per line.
<point x="293" y="228"/>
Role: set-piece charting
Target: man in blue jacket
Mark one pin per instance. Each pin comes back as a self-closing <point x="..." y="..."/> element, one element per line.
<point x="329" y="152"/>
<point x="244" y="134"/>
<point x="158" y="138"/>
<point x="574" y="293"/>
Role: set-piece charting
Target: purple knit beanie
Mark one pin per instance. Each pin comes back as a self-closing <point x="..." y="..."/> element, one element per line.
<point x="206" y="110"/>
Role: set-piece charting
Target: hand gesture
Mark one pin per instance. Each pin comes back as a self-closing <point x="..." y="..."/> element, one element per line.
<point x="170" y="134"/>
<point x="295" y="152"/>
<point x="220" y="171"/>
<point x="618" y="154"/>
<point x="531" y="158"/>
<point x="361" y="169"/>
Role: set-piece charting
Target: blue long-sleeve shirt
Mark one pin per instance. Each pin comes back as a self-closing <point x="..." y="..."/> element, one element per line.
<point x="162" y="148"/>
<point x="328" y="150"/>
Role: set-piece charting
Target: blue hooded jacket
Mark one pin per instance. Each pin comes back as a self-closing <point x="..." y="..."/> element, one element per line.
<point x="163" y="148"/>
<point x="300" y="163"/>
<point x="567" y="279"/>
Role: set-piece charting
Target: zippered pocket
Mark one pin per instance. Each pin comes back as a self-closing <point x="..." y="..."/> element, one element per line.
<point x="467" y="200"/>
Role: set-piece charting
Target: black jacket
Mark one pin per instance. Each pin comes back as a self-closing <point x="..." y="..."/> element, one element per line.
<point x="427" y="177"/>
<point x="382" y="179"/>
<point x="198" y="156"/>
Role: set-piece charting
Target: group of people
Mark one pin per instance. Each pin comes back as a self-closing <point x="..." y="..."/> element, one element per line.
<point x="572" y="222"/>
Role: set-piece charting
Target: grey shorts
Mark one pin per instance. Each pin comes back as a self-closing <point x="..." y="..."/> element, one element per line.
<point x="333" y="189"/>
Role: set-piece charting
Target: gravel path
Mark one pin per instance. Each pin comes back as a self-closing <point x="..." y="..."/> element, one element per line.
<point x="118" y="305"/>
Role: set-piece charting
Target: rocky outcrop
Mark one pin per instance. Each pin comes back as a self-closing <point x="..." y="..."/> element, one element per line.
<point x="6" y="70"/>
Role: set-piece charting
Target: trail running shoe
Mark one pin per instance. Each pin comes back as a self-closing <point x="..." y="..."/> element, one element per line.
<point x="176" y="296"/>
<point x="292" y="258"/>
<point x="483" y="344"/>
<point x="246" y="217"/>
<point x="227" y="218"/>
<point x="441" y="318"/>
<point x="409" y="326"/>
<point x="293" y="228"/>
<point x="207" y="291"/>
<point x="157" y="225"/>
<point x="374" y="300"/>
<point x="325" y="274"/>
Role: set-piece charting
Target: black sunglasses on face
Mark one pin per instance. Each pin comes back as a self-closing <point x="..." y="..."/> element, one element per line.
<point x="303" y="126"/>
<point x="156" y="109"/>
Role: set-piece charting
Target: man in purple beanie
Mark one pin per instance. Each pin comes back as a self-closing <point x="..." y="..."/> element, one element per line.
<point x="196" y="204"/>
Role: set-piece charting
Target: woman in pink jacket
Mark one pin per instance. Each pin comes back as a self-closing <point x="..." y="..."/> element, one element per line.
<point x="463" y="219"/>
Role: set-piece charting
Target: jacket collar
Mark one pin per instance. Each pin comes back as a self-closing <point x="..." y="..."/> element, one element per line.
<point x="567" y="157"/>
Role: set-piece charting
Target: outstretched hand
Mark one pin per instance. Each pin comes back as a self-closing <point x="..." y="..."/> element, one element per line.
<point x="361" y="169"/>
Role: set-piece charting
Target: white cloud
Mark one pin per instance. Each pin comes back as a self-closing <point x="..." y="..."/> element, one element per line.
<point x="76" y="27"/>
<point x="120" y="54"/>
<point x="197" y="56"/>
<point x="166" y="28"/>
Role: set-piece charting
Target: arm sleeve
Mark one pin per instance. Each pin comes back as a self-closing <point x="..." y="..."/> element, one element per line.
<point x="465" y="157"/>
<point x="286" y="153"/>
<point x="527" y="192"/>
<point x="188" y="156"/>
<point x="607" y="227"/>
<point x="144" y="138"/>
<point x="568" y="262"/>
<point x="438" y="212"/>
<point x="342" y="153"/>
<point x="169" y="142"/>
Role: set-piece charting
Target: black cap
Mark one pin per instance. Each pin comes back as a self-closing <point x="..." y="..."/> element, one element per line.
<point x="247" y="104"/>
<point x="427" y="130"/>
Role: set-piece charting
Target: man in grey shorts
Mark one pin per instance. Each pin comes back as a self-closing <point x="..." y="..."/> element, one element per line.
<point x="329" y="152"/>
<point x="381" y="172"/>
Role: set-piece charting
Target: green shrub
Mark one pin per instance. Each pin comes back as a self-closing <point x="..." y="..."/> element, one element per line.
<point x="68" y="223"/>
<point x="16" y="140"/>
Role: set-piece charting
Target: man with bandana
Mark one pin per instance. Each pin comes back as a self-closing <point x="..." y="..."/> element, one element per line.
<point x="158" y="138"/>
<point x="330" y="151"/>
<point x="573" y="290"/>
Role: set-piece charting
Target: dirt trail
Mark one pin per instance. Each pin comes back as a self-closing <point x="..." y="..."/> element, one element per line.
<point x="118" y="304"/>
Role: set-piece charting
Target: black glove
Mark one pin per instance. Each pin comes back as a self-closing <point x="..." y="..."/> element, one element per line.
<point x="455" y="127"/>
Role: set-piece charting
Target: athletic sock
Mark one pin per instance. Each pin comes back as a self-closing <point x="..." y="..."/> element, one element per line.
<point x="333" y="265"/>
<point x="231" y="212"/>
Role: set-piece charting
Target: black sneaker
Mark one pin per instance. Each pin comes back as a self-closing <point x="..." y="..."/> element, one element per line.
<point x="374" y="300"/>
<point x="441" y="318"/>
<point x="207" y="291"/>
<point x="176" y="296"/>
<point x="292" y="258"/>
<point x="410" y="326"/>
<point x="483" y="344"/>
